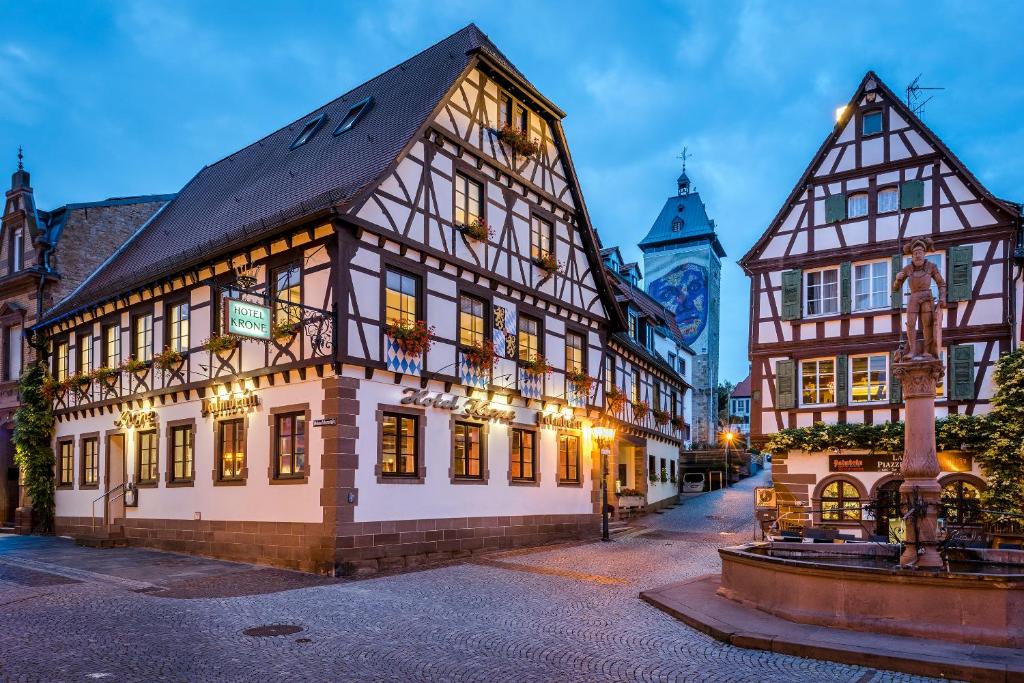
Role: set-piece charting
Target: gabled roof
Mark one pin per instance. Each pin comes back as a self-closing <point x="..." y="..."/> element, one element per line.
<point x="652" y="358"/>
<point x="741" y="390"/>
<point x="55" y="220"/>
<point x="912" y="119"/>
<point x="695" y="224"/>
<point x="255" y="191"/>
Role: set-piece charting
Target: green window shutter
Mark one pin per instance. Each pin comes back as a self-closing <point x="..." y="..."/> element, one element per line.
<point x="842" y="381"/>
<point x="961" y="372"/>
<point x="791" y="294"/>
<point x="897" y="296"/>
<point x="845" y="288"/>
<point x="835" y="208"/>
<point x="912" y="194"/>
<point x="785" y="384"/>
<point x="895" y="388"/>
<point x="959" y="273"/>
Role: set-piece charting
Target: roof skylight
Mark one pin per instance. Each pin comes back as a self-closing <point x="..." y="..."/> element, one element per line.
<point x="309" y="130"/>
<point x="357" y="112"/>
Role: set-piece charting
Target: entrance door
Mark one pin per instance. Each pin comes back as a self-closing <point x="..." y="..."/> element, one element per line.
<point x="113" y="511"/>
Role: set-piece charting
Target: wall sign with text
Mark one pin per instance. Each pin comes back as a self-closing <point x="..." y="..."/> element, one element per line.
<point x="246" y="319"/>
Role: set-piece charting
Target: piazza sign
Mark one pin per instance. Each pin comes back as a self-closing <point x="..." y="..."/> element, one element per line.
<point x="246" y="319"/>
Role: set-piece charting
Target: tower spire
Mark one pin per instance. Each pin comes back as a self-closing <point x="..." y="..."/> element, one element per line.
<point x="21" y="166"/>
<point x="683" y="181"/>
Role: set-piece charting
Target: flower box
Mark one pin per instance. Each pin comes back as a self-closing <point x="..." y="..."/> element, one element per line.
<point x="169" y="359"/>
<point x="518" y="140"/>
<point x="537" y="366"/>
<point x="615" y="400"/>
<point x="548" y="263"/>
<point x="221" y="344"/>
<point x="640" y="409"/>
<point x="631" y="501"/>
<point x="285" y="331"/>
<point x="413" y="338"/>
<point x="481" y="357"/>
<point x="477" y="229"/>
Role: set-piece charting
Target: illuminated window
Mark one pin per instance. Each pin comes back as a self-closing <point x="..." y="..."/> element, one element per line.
<point x="84" y="341"/>
<point x="182" y="454"/>
<point x="401" y="294"/>
<point x="231" y="449"/>
<point x="541" y="238"/>
<point x="468" y="200"/>
<point x="840" y="502"/>
<point x="635" y="388"/>
<point x="888" y="200"/>
<point x="634" y="326"/>
<point x="142" y="337"/>
<point x="529" y="338"/>
<point x="399" y="448"/>
<point x="147" y="456"/>
<point x="468" y="450"/>
<point x="574" y="352"/>
<point x="609" y="372"/>
<point x="60" y="360"/>
<point x="822" y="292"/>
<point x="286" y="284"/>
<point x="471" y="321"/>
<point x="67" y="464"/>
<point x="961" y="502"/>
<point x="568" y="457"/>
<point x="90" y="461"/>
<point x="871" y="287"/>
<point x="12" y="359"/>
<point x="872" y="123"/>
<point x="869" y="378"/>
<point x="524" y="453"/>
<point x="857" y="205"/>
<point x="112" y="345"/>
<point x="818" y="381"/>
<point x="291" y="445"/>
<point x="179" y="327"/>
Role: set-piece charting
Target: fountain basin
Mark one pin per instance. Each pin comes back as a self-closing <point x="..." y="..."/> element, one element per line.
<point x="861" y="586"/>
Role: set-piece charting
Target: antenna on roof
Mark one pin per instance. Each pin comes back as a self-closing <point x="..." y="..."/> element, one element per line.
<point x="914" y="95"/>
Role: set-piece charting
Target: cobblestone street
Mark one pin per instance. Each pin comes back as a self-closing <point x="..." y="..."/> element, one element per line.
<point x="569" y="613"/>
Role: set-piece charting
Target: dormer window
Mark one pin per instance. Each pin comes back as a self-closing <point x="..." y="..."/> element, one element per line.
<point x="872" y="122"/>
<point x="308" y="131"/>
<point x="358" y="110"/>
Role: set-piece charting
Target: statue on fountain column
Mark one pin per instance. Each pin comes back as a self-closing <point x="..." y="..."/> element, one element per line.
<point x="920" y="273"/>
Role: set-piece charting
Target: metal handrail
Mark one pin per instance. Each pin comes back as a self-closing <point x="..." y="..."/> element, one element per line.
<point x="125" y="486"/>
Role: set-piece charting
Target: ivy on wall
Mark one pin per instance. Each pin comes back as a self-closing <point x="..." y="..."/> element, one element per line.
<point x="956" y="432"/>
<point x="33" y="435"/>
<point x="1002" y="457"/>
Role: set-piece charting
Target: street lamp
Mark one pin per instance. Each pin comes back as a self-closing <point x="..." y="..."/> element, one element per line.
<point x="604" y="436"/>
<point x="728" y="435"/>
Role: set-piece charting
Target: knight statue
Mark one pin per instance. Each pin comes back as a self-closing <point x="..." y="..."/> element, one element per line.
<point x="920" y="273"/>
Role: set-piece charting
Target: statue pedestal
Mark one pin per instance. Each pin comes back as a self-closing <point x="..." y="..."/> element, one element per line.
<point x="920" y="492"/>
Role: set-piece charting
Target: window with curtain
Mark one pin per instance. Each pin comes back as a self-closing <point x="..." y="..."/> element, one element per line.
<point x="147" y="456"/>
<point x="524" y="454"/>
<point x="871" y="287"/>
<point x="399" y="447"/>
<point x="468" y="447"/>
<point x="888" y="200"/>
<point x="231" y="449"/>
<point x="822" y="292"/>
<point x="568" y="457"/>
<point x="290" y="455"/>
<point x="857" y="205"/>
<point x="90" y="461"/>
<point x="67" y="464"/>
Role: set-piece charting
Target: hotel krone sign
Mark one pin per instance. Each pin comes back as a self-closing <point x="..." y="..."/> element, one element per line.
<point x="470" y="407"/>
<point x="246" y="319"/>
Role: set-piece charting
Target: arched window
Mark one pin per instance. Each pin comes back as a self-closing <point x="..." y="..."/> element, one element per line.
<point x="961" y="502"/>
<point x="857" y="205"/>
<point x="840" y="502"/>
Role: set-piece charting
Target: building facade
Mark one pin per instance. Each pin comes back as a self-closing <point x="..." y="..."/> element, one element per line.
<point x="683" y="271"/>
<point x="44" y="255"/>
<point x="739" y="409"/>
<point x="380" y="346"/>
<point x="824" y="319"/>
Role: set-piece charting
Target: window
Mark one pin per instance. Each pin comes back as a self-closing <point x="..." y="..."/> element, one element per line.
<point x="231" y="449"/>
<point x="504" y="110"/>
<point x="682" y="365"/>
<point x="524" y="451"/>
<point x="291" y="445"/>
<point x="112" y="345"/>
<point x="468" y="200"/>
<point x="358" y="111"/>
<point x="12" y="361"/>
<point x="399" y="449"/>
<point x="147" y="445"/>
<point x="541" y="237"/>
<point x="961" y="502"/>
<point x="142" y="337"/>
<point x="634" y="326"/>
<point x="650" y="464"/>
<point x="84" y="340"/>
<point x="468" y="450"/>
<point x="869" y="378"/>
<point x="568" y="457"/>
<point x="471" y="321"/>
<point x="818" y="381"/>
<point x="17" y="250"/>
<point x="857" y="205"/>
<point x="522" y="117"/>
<point x="67" y="464"/>
<point x="287" y="292"/>
<point x="635" y="388"/>
<point x="822" y="292"/>
<point x="872" y="122"/>
<point x="574" y="352"/>
<point x="840" y="502"/>
<point x="60" y="360"/>
<point x="529" y="338"/>
<point x="656" y="395"/>
<point x="178" y="328"/>
<point x="609" y="372"/>
<point x="888" y="200"/>
<point x="182" y="454"/>
<point x="90" y="461"/>
<point x="401" y="296"/>
<point x="871" y="286"/>
<point x="308" y="131"/>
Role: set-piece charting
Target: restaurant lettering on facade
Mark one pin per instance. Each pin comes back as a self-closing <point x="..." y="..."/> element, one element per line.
<point x="218" y="406"/>
<point x="471" y="407"/>
<point x="949" y="461"/>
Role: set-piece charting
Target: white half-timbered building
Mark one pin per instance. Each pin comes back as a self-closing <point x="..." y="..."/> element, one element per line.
<point x="440" y="193"/>
<point x="823" y="319"/>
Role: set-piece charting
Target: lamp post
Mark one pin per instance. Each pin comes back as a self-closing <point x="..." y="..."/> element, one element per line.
<point x="729" y="436"/>
<point x="604" y="436"/>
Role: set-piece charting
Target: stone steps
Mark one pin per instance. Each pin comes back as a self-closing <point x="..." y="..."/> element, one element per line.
<point x="104" y="537"/>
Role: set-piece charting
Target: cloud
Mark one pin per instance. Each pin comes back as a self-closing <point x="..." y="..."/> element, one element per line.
<point x="21" y="97"/>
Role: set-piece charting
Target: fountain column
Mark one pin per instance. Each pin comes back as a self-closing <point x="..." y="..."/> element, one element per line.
<point x="920" y="491"/>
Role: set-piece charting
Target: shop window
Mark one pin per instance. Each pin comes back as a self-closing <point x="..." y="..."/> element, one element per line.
<point x="66" y="475"/>
<point x="468" y="200"/>
<point x="524" y="455"/>
<point x="468" y="453"/>
<point x="290" y="446"/>
<point x="182" y="453"/>
<point x="840" y="502"/>
<point x="818" y="381"/>
<point x="231" y="449"/>
<point x="147" y="455"/>
<point x="178" y="327"/>
<point x="286" y="289"/>
<point x="568" y="457"/>
<point x="399" y="445"/>
<point x="142" y="337"/>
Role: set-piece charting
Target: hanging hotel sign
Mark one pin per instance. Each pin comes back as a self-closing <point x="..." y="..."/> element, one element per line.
<point x="558" y="420"/>
<point x="949" y="461"/>
<point x="230" y="404"/>
<point x="136" y="419"/>
<point x="470" y="407"/>
<point x="246" y="319"/>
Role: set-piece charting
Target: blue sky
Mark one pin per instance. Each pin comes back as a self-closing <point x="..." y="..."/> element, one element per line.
<point x="120" y="98"/>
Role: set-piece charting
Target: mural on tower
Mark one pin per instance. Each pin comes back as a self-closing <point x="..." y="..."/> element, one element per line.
<point x="684" y="291"/>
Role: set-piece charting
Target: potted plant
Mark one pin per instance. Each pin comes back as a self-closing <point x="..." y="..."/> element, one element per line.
<point x="477" y="229"/>
<point x="51" y="388"/>
<point x="664" y="475"/>
<point x="640" y="409"/>
<point x="537" y="366"/>
<point x="168" y="359"/>
<point x="284" y="330"/>
<point x="481" y="356"/>
<point x="631" y="498"/>
<point x="678" y="422"/>
<point x="653" y="476"/>
<point x="413" y="337"/>
<point x="548" y="263"/>
<point x="80" y="381"/>
<point x="106" y="376"/>
<point x="221" y="344"/>
<point x="137" y="367"/>
<point x="581" y="382"/>
<point x="615" y="399"/>
<point x="661" y="417"/>
<point x="518" y="140"/>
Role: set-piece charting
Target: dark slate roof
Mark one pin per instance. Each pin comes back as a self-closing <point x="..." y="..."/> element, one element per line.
<point x="741" y="390"/>
<point x="649" y="306"/>
<point x="696" y="224"/>
<point x="256" y="190"/>
<point x="653" y="358"/>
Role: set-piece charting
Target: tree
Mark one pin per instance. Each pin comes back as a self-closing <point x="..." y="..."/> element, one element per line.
<point x="33" y="434"/>
<point x="1002" y="459"/>
<point x="724" y="391"/>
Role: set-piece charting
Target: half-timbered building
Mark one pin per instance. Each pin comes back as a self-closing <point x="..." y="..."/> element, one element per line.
<point x="824" y="319"/>
<point x="363" y="340"/>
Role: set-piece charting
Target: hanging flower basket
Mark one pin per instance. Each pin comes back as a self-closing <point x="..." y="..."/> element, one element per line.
<point x="548" y="263"/>
<point x="137" y="367"/>
<point x="169" y="359"/>
<point x="582" y="383"/>
<point x="51" y="388"/>
<point x="481" y="357"/>
<point x="106" y="376"/>
<point x="414" y="338"/>
<point x="221" y="344"/>
<point x="477" y="229"/>
<point x="80" y="382"/>
<point x="285" y="330"/>
<point x="640" y="409"/>
<point x="518" y="140"/>
<point x="661" y="417"/>
<point x="537" y="366"/>
<point x="678" y="422"/>
<point x="615" y="400"/>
